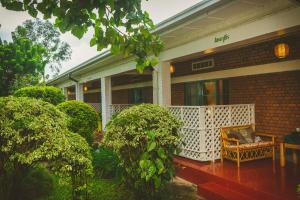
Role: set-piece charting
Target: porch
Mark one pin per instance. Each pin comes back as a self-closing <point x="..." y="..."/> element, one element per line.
<point x="209" y="82"/>
<point x="263" y="179"/>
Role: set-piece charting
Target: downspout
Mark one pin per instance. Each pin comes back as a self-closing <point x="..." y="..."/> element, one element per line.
<point x="76" y="86"/>
<point x="71" y="78"/>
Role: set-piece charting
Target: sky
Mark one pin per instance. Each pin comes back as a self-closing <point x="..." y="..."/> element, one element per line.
<point x="159" y="10"/>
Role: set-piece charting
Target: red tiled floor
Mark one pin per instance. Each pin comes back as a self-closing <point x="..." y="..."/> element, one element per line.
<point x="262" y="179"/>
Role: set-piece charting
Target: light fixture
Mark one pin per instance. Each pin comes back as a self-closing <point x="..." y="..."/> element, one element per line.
<point x="172" y="69"/>
<point x="85" y="88"/>
<point x="68" y="92"/>
<point x="281" y="50"/>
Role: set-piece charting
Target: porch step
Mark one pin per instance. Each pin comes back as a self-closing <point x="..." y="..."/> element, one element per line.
<point x="214" y="191"/>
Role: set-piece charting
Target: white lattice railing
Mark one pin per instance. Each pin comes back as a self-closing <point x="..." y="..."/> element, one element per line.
<point x="97" y="106"/>
<point x="116" y="108"/>
<point x="201" y="130"/>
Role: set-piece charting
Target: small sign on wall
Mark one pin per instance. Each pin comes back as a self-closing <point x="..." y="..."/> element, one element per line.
<point x="222" y="39"/>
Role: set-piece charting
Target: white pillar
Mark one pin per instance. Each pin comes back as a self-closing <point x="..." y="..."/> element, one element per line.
<point x="164" y="84"/>
<point x="155" y="86"/>
<point x="105" y="100"/>
<point x="65" y="92"/>
<point x="79" y="91"/>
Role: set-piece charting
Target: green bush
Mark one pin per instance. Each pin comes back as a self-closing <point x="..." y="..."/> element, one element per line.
<point x="49" y="94"/>
<point x="34" y="132"/>
<point x="106" y="162"/>
<point x="36" y="184"/>
<point x="83" y="118"/>
<point x="145" y="137"/>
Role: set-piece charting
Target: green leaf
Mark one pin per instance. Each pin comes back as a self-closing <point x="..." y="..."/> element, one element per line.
<point x="93" y="41"/>
<point x="78" y="31"/>
<point x="15" y="5"/>
<point x="32" y="11"/>
<point x="154" y="62"/>
<point x="151" y="134"/>
<point x="93" y="16"/>
<point x="160" y="165"/>
<point x="151" y="171"/>
<point x="161" y="153"/>
<point x="151" y="146"/>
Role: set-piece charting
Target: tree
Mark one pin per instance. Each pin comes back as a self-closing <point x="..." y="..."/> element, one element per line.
<point x="19" y="58"/>
<point x="25" y="81"/>
<point x="120" y="25"/>
<point x="45" y="34"/>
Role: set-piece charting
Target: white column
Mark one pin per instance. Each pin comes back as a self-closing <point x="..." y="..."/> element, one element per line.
<point x="155" y="86"/>
<point x="65" y="92"/>
<point x="164" y="84"/>
<point x="105" y="100"/>
<point x="79" y="91"/>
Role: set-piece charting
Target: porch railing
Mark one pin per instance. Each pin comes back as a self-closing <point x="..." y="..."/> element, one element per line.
<point x="97" y="106"/>
<point x="201" y="129"/>
<point x="116" y="108"/>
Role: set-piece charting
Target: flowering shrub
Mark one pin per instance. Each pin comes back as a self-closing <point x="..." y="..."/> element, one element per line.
<point x="83" y="118"/>
<point x="145" y="138"/>
<point x="32" y="133"/>
<point x="49" y="94"/>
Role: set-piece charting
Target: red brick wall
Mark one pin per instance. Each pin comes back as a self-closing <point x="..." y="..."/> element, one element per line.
<point x="120" y="96"/>
<point x="177" y="94"/>
<point x="276" y="97"/>
<point x="92" y="97"/>
<point x="256" y="54"/>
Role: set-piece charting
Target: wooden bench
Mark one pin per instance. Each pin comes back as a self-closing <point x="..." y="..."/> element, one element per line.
<point x="231" y="148"/>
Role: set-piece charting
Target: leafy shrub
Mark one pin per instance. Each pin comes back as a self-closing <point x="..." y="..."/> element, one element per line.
<point x="37" y="183"/>
<point x="49" y="94"/>
<point x="34" y="132"/>
<point x="145" y="138"/>
<point x="105" y="162"/>
<point x="83" y="118"/>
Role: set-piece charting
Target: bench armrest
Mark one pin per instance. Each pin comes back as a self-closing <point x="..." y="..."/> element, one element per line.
<point x="232" y="140"/>
<point x="267" y="135"/>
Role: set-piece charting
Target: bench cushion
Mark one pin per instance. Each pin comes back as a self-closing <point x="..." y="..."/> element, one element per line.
<point x="251" y="145"/>
<point x="244" y="135"/>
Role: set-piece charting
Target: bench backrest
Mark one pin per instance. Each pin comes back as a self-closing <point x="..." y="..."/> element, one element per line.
<point x="225" y="130"/>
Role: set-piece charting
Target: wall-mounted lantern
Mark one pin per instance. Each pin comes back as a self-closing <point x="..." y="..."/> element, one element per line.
<point x="281" y="50"/>
<point x="172" y="69"/>
<point x="85" y="88"/>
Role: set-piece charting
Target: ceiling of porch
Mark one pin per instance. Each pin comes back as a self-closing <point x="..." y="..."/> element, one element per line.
<point x="226" y="16"/>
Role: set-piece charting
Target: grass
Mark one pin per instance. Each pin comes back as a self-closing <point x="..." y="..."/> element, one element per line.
<point x="100" y="189"/>
<point x="110" y="189"/>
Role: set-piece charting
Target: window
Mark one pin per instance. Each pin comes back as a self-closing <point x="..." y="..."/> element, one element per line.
<point x="206" y="93"/>
<point x="136" y="96"/>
